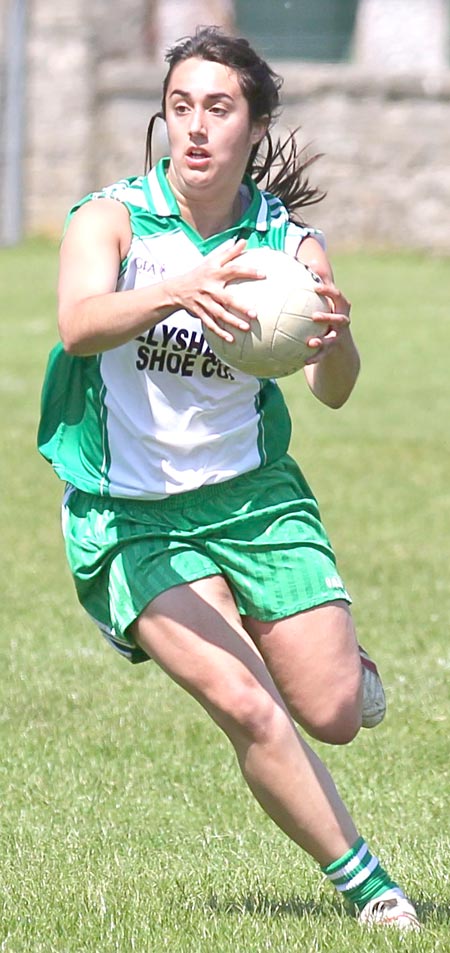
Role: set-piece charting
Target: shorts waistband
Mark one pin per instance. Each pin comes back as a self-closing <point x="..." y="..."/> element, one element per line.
<point x="178" y="501"/>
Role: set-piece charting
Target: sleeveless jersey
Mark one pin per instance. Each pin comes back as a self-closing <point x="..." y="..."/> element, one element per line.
<point x="161" y="414"/>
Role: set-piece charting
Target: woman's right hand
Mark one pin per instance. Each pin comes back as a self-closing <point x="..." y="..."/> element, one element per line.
<point x="203" y="291"/>
<point x="93" y="317"/>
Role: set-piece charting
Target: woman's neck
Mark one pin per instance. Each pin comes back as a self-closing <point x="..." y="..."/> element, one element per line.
<point x="210" y="218"/>
<point x="208" y="212"/>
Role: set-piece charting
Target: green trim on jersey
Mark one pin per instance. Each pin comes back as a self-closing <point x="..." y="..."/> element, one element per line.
<point x="155" y="208"/>
<point x="256" y="224"/>
<point x="274" y="422"/>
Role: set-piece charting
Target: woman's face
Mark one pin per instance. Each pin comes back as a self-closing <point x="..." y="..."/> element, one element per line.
<point x="209" y="127"/>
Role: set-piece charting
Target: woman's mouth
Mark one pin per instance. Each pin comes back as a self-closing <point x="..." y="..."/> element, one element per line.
<point x="197" y="158"/>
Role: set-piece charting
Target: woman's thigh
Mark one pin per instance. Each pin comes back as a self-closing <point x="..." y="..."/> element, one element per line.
<point x="313" y="657"/>
<point x="194" y="632"/>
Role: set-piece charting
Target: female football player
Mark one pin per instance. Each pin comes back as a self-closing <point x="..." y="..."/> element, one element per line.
<point x="192" y="535"/>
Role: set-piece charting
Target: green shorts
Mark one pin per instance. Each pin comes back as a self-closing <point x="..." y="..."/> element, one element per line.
<point x="262" y="531"/>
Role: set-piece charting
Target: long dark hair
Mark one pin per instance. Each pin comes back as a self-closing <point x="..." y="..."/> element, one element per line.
<point x="278" y="167"/>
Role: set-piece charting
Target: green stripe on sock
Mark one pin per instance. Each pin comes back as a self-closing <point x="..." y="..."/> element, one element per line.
<point x="373" y="885"/>
<point x="342" y="861"/>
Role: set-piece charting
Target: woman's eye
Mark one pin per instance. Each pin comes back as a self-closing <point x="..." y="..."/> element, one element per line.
<point x="218" y="111"/>
<point x="181" y="109"/>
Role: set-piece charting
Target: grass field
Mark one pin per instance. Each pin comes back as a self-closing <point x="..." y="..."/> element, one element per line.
<point x="125" y="825"/>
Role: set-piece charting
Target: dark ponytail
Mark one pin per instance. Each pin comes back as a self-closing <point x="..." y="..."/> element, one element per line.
<point x="282" y="172"/>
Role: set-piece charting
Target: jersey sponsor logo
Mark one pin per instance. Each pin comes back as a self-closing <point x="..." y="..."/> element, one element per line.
<point x="158" y="271"/>
<point x="179" y="350"/>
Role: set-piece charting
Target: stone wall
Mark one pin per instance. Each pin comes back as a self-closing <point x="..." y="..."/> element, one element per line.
<point x="386" y="166"/>
<point x="92" y="83"/>
<point x="60" y="112"/>
<point x="385" y="140"/>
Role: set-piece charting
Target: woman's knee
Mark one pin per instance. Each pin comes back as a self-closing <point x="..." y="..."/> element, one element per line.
<point x="248" y="711"/>
<point x="314" y="660"/>
<point x="339" y="729"/>
<point x="335" y="716"/>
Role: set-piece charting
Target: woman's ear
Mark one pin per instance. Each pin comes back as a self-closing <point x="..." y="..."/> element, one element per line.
<point x="259" y="129"/>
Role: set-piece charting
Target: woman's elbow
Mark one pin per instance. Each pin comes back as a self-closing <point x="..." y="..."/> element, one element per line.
<point x="69" y="333"/>
<point x="69" y="341"/>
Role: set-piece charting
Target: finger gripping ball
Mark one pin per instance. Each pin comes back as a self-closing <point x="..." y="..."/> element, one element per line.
<point x="275" y="345"/>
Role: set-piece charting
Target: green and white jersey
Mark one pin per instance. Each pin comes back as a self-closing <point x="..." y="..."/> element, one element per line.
<point x="161" y="414"/>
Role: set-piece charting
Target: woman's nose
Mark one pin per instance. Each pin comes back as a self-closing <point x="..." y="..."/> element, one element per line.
<point x="197" y="127"/>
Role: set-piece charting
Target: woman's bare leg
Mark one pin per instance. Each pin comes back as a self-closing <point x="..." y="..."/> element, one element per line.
<point x="195" y="634"/>
<point x="314" y="660"/>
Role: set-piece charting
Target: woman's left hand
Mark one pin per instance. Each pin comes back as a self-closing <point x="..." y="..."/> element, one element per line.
<point x="333" y="367"/>
<point x="337" y="321"/>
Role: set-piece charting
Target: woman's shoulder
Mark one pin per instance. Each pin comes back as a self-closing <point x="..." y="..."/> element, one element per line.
<point x="296" y="234"/>
<point x="128" y="191"/>
<point x="296" y="231"/>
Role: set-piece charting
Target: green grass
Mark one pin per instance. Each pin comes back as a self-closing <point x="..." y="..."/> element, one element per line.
<point x="125" y="825"/>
